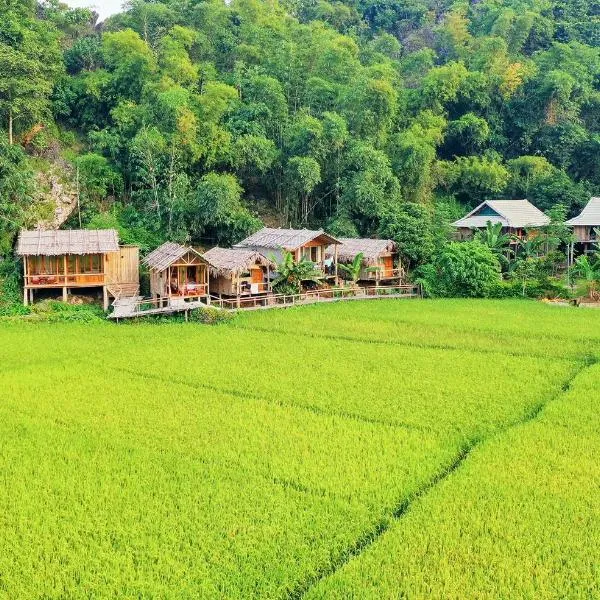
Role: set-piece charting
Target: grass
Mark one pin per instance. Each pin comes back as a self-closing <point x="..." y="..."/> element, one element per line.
<point x="379" y="449"/>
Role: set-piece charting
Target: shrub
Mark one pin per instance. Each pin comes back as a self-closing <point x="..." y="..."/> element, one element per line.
<point x="11" y="298"/>
<point x="211" y="316"/>
<point x="532" y="289"/>
<point x="461" y="269"/>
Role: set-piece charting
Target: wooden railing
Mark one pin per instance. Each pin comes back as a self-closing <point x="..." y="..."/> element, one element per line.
<point x="262" y="287"/>
<point x="326" y="295"/>
<point x="377" y="275"/>
<point x="62" y="280"/>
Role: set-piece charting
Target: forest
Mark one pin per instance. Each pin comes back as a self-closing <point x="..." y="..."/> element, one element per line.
<point x="199" y="120"/>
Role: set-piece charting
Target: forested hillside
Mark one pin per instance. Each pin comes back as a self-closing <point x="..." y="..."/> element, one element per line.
<point x="196" y="120"/>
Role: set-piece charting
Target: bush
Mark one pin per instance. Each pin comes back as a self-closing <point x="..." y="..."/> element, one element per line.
<point x="11" y="295"/>
<point x="461" y="269"/>
<point x="211" y="316"/>
<point x="532" y="289"/>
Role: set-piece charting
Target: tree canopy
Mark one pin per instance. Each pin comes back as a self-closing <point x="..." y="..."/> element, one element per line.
<point x="196" y="120"/>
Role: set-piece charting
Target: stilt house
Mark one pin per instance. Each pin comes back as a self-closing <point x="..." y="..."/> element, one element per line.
<point x="76" y="259"/>
<point x="516" y="217"/>
<point x="177" y="272"/>
<point x="587" y="224"/>
<point x="380" y="261"/>
<point x="238" y="272"/>
<point x="302" y="243"/>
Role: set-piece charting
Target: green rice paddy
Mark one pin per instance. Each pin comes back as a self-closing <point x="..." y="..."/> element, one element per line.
<point x="383" y="449"/>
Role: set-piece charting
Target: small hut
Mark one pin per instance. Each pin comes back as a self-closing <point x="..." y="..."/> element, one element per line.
<point x="380" y="258"/>
<point x="238" y="272"/>
<point x="516" y="217"/>
<point x="586" y="224"/>
<point x="301" y="243"/>
<point x="177" y="271"/>
<point x="75" y="259"/>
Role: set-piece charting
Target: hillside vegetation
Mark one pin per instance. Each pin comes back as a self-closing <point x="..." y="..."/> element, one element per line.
<point x="195" y="120"/>
<point x="290" y="454"/>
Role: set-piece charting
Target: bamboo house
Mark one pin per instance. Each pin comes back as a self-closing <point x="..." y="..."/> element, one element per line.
<point x="177" y="272"/>
<point x="380" y="262"/>
<point x="586" y="225"/>
<point x="516" y="216"/>
<point x="301" y="243"/>
<point x="77" y="259"/>
<point x="238" y="272"/>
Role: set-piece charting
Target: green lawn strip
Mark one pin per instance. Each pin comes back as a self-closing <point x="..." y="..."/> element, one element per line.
<point x="519" y="519"/>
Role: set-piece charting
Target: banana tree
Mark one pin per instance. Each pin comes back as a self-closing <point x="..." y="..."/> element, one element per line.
<point x="497" y="241"/>
<point x="291" y="274"/>
<point x="352" y="270"/>
<point x="589" y="271"/>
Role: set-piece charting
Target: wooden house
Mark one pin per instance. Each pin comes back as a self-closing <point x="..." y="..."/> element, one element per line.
<point x="75" y="259"/>
<point x="516" y="216"/>
<point x="301" y="243"/>
<point x="238" y="272"/>
<point x="586" y="225"/>
<point x="177" y="271"/>
<point x="380" y="263"/>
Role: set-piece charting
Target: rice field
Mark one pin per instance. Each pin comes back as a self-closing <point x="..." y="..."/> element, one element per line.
<point x="389" y="449"/>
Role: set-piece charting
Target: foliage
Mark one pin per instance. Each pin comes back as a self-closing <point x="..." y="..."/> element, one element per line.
<point x="497" y="241"/>
<point x="589" y="271"/>
<point x="211" y="316"/>
<point x="461" y="269"/>
<point x="331" y="113"/>
<point x="353" y="269"/>
<point x="292" y="274"/>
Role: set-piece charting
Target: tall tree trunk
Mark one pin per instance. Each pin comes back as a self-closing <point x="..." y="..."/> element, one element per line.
<point x="10" y="127"/>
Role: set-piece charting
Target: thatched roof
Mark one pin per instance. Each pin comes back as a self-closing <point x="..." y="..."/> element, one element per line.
<point x="164" y="256"/>
<point x="511" y="213"/>
<point x="589" y="216"/>
<point x="288" y="239"/>
<point x="372" y="250"/>
<point x="69" y="241"/>
<point x="233" y="261"/>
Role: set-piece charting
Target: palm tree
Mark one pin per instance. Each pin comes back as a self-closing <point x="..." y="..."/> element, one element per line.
<point x="589" y="271"/>
<point x="495" y="240"/>
<point x="291" y="274"/>
<point x="353" y="269"/>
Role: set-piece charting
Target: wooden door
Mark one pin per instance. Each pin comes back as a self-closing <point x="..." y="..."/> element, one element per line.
<point x="257" y="275"/>
<point x="388" y="265"/>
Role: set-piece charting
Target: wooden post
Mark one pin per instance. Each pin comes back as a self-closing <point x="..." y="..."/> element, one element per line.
<point x="25" y="282"/>
<point x="105" y="297"/>
<point x="65" y="295"/>
<point x="335" y="259"/>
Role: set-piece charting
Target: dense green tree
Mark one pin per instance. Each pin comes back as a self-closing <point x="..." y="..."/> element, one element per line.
<point x="30" y="61"/>
<point x="351" y="114"/>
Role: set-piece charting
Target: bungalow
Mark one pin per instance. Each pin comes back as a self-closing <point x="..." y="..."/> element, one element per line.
<point x="238" y="272"/>
<point x="380" y="258"/>
<point x="75" y="259"/>
<point x="516" y="217"/>
<point x="177" y="272"/>
<point x="586" y="225"/>
<point x="302" y="243"/>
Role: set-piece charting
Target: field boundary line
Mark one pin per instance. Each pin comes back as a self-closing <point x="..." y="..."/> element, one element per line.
<point x="385" y="523"/>
<point x="359" y="340"/>
<point x="311" y="408"/>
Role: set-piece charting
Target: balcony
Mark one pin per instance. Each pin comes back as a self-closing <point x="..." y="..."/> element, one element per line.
<point x="49" y="280"/>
